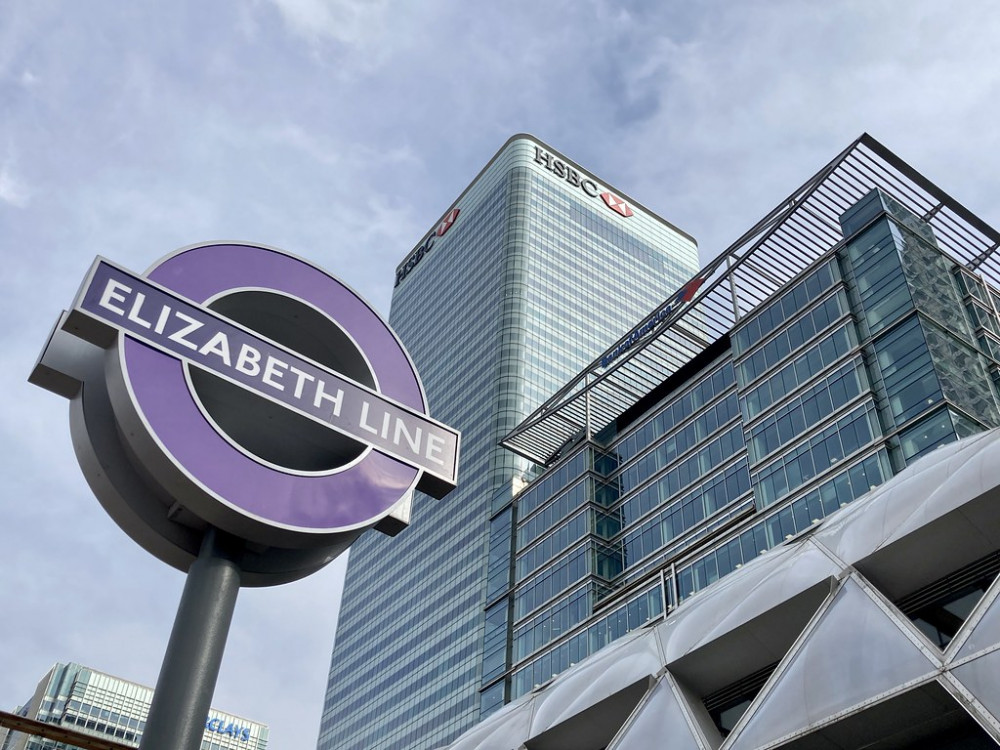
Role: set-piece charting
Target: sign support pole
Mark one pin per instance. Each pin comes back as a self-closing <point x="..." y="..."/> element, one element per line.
<point x="175" y="403"/>
<point x="190" y="669"/>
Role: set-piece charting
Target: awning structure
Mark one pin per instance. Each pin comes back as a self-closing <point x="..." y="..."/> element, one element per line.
<point x="822" y="620"/>
<point x="779" y="247"/>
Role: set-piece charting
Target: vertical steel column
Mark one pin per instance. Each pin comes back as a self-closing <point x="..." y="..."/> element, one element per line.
<point x="191" y="664"/>
<point x="731" y="277"/>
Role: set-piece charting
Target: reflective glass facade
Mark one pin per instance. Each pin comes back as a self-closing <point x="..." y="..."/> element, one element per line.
<point x="542" y="267"/>
<point x="873" y="356"/>
<point x="879" y="628"/>
<point x="98" y="704"/>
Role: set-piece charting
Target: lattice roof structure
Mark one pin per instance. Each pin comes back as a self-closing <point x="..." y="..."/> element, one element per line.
<point x="778" y="248"/>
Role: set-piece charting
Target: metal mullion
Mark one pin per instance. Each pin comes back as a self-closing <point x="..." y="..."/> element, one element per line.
<point x="962" y="249"/>
<point x="751" y="297"/>
<point x="815" y="246"/>
<point x="857" y="180"/>
<point x="660" y="361"/>
<point x="681" y="335"/>
<point x="825" y="228"/>
<point x="835" y="199"/>
<point x="787" y="244"/>
<point x="893" y="175"/>
<point x="752" y="282"/>
<point x="813" y="233"/>
<point x="764" y="273"/>
<point x="772" y="260"/>
<point x="987" y="254"/>
<point x="945" y="219"/>
<point x="898" y="181"/>
<point x="690" y="334"/>
<point x="530" y="452"/>
<point x="634" y="384"/>
<point x="778" y="256"/>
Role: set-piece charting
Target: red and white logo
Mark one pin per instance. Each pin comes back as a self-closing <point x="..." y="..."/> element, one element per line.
<point x="447" y="222"/>
<point x="616" y="204"/>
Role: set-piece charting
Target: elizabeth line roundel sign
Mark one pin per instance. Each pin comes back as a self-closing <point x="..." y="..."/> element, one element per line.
<point x="241" y="387"/>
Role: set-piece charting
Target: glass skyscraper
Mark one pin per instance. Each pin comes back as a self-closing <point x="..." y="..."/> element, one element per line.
<point x="850" y="336"/>
<point x="535" y="269"/>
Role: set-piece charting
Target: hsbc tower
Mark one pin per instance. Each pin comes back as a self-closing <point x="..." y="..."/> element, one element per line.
<point x="501" y="302"/>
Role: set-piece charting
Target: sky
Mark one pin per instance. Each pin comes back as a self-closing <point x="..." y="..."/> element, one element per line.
<point x="341" y="130"/>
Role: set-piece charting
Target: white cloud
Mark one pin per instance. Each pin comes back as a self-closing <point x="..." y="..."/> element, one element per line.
<point x="351" y="22"/>
<point x="12" y="190"/>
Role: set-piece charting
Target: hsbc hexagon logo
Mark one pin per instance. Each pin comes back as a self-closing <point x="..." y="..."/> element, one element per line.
<point x="616" y="204"/>
<point x="564" y="171"/>
<point x="425" y="247"/>
<point x="446" y="222"/>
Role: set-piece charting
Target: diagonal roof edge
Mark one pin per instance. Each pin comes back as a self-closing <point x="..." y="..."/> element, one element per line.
<point x="737" y="281"/>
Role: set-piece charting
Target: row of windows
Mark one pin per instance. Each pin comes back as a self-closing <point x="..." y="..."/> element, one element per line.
<point x="86" y="709"/>
<point x="553" y="580"/>
<point x="934" y="430"/>
<point x="877" y="275"/>
<point x="561" y="506"/>
<point x="607" y="525"/>
<point x="691" y="540"/>
<point x="553" y="622"/>
<point x="788" y="521"/>
<point x="820" y="401"/>
<point x="109" y="730"/>
<point x="491" y="699"/>
<point x="701" y="503"/>
<point x="683" y="474"/>
<point x="498" y="557"/>
<point x="381" y="683"/>
<point x="634" y="613"/>
<point x="674" y="413"/>
<point x="771" y="317"/>
<point x="799" y="515"/>
<point x="934" y="289"/>
<point x="561" y="537"/>
<point x="545" y="488"/>
<point x="991" y="346"/>
<point x="801" y="369"/>
<point x="982" y="317"/>
<point x="666" y="452"/>
<point x="908" y="375"/>
<point x="495" y="641"/>
<point x="802" y="331"/>
<point x="971" y="286"/>
<point x="961" y="371"/>
<point x="817" y="454"/>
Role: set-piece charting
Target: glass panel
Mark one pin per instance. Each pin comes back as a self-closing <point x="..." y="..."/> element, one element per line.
<point x="927" y="435"/>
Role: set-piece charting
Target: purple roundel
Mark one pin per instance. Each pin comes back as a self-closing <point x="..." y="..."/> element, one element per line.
<point x="352" y="496"/>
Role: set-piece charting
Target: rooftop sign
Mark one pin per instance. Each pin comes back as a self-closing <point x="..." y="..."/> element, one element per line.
<point x="425" y="247"/>
<point x="577" y="179"/>
<point x="680" y="298"/>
